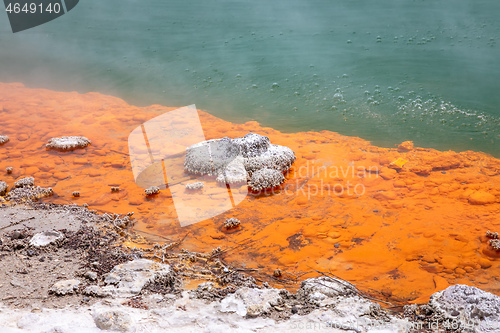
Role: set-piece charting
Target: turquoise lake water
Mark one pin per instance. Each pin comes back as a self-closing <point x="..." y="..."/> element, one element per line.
<point x="387" y="71"/>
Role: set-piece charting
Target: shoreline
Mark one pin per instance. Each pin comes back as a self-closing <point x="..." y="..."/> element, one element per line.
<point x="402" y="228"/>
<point x="149" y="297"/>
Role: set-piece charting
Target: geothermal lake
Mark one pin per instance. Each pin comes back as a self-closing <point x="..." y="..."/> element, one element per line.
<point x="385" y="71"/>
<point x="372" y="74"/>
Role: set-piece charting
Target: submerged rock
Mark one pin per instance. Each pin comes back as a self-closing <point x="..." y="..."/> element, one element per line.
<point x="405" y="146"/>
<point x="3" y="188"/>
<point x="236" y="160"/>
<point x="481" y="198"/>
<point x="3" y="139"/>
<point x="67" y="143"/>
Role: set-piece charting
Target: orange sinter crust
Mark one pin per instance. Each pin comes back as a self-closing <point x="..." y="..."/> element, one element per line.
<point x="400" y="223"/>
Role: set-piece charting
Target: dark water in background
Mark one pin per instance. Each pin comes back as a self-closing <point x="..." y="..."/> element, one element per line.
<point x="387" y="71"/>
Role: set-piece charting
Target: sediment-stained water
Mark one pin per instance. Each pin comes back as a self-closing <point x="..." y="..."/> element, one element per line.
<point x="398" y="222"/>
<point x="384" y="71"/>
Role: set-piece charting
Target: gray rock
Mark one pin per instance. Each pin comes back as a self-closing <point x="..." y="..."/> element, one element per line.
<point x="25" y="182"/>
<point x="92" y="276"/>
<point x="3" y="139"/>
<point x="249" y="301"/>
<point x="468" y="305"/>
<point x="3" y="188"/>
<point x="234" y="161"/>
<point x="222" y="152"/>
<point x="112" y="278"/>
<point x="67" y="143"/>
<point x="266" y="178"/>
<point x="129" y="278"/>
<point x="326" y="287"/>
<point x="276" y="157"/>
<point x="210" y="157"/>
<point x="254" y="310"/>
<point x="112" y="320"/>
<point x="45" y="238"/>
<point x="17" y="283"/>
<point x="64" y="287"/>
<point x="28" y="193"/>
<point x="96" y="291"/>
<point x="252" y="145"/>
<point x="234" y="172"/>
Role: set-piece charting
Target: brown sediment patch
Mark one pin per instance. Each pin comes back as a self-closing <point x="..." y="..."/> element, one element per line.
<point x="402" y="222"/>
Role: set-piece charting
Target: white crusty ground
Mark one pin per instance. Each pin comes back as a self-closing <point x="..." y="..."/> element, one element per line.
<point x="190" y="315"/>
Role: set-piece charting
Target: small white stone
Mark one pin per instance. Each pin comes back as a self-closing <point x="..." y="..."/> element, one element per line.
<point x="96" y="291"/>
<point x="91" y="275"/>
<point x="129" y="278"/>
<point x="64" y="287"/>
<point x="113" y="320"/>
<point x="45" y="238"/>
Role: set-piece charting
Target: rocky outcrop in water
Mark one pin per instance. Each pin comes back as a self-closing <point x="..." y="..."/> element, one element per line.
<point x="67" y="143"/>
<point x="251" y="157"/>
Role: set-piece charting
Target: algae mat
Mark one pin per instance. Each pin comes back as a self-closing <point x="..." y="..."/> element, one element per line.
<point x="401" y="223"/>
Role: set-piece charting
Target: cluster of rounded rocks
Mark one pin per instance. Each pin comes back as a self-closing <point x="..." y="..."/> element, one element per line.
<point x="250" y="158"/>
<point x="231" y="223"/>
<point x="152" y="190"/>
<point x="24" y="190"/>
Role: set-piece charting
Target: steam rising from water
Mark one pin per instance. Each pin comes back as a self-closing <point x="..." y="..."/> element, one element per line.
<point x="380" y="70"/>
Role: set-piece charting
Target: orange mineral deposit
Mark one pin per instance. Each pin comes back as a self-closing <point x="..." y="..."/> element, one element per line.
<point x="400" y="223"/>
